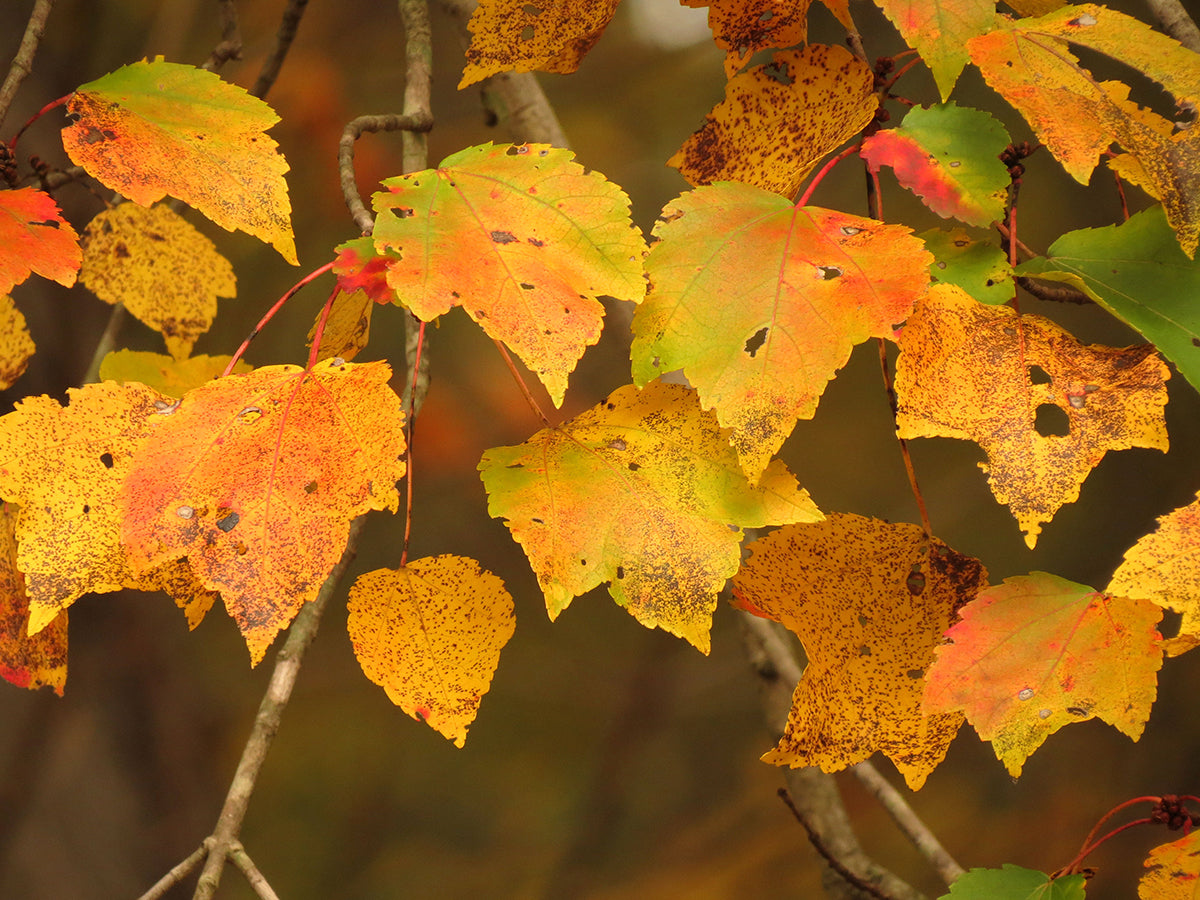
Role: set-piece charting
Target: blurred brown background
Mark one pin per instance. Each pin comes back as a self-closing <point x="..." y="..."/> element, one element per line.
<point x="607" y="761"/>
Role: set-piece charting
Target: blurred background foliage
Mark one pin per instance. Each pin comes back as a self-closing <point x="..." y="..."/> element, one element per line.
<point x="607" y="761"/>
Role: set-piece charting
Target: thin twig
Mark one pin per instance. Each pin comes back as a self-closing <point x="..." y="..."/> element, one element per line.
<point x="816" y="793"/>
<point x="917" y="832"/>
<point x="1176" y="22"/>
<point x="355" y="129"/>
<point x="288" y="26"/>
<point x="240" y="858"/>
<point x="22" y="63"/>
<point x="266" y="722"/>
<point x="177" y="874"/>
<point x="230" y="46"/>
<point x="814" y="838"/>
<point x="104" y="346"/>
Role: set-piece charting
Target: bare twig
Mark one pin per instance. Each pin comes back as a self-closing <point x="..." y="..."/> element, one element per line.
<point x="514" y="98"/>
<point x="104" y="346"/>
<point x="909" y="822"/>
<point x="177" y="874"/>
<point x="230" y="46"/>
<point x="815" y="793"/>
<point x="1176" y="22"/>
<point x="245" y="865"/>
<point x="288" y="26"/>
<point x="266" y="723"/>
<point x="814" y="838"/>
<point x="355" y="129"/>
<point x="22" y="63"/>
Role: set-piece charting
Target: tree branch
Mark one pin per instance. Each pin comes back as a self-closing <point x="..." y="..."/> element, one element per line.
<point x="815" y="794"/>
<point x="288" y="26"/>
<point x="355" y="129"/>
<point x="230" y="46"/>
<point x="22" y="63"/>
<point x="917" y="832"/>
<point x="1176" y="22"/>
<point x="245" y="865"/>
<point x="177" y="874"/>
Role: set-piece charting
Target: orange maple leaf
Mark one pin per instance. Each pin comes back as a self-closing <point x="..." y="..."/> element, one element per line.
<point x="255" y="479"/>
<point x="34" y="237"/>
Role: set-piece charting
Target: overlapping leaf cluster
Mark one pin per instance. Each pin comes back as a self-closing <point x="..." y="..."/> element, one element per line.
<point x="245" y="487"/>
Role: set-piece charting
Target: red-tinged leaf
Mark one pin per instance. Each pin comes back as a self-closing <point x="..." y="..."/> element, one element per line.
<point x="16" y="346"/>
<point x="643" y="492"/>
<point x="430" y="634"/>
<point x="949" y="157"/>
<point x="34" y="237"/>
<point x="986" y="373"/>
<point x="939" y="31"/>
<point x="156" y="128"/>
<point x="1173" y="870"/>
<point x="1164" y="567"/>
<point x="523" y="239"/>
<point x="870" y="601"/>
<point x="760" y="303"/>
<point x="255" y="478"/>
<point x="359" y="267"/>
<point x="777" y="121"/>
<point x="65" y="466"/>
<point x="27" y="661"/>
<point x="516" y="36"/>
<point x="1040" y="652"/>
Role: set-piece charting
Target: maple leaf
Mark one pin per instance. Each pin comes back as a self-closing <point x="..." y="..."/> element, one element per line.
<point x="1164" y="567"/>
<point x="966" y="371"/>
<point x="165" y="374"/>
<point x="360" y="267"/>
<point x="1015" y="883"/>
<point x="1172" y="870"/>
<point x="978" y="267"/>
<point x="255" y="479"/>
<point x="1078" y="118"/>
<point x="1138" y="273"/>
<point x="16" y="346"/>
<point x="744" y="27"/>
<point x="520" y="237"/>
<point x="760" y="303"/>
<point x="778" y="120"/>
<point x="347" y="329"/>
<point x="643" y="492"/>
<point x="65" y="466"/>
<point x="869" y="600"/>
<point x="151" y="129"/>
<point x="167" y="273"/>
<point x="430" y="633"/>
<point x="176" y="579"/>
<point x="948" y="156"/>
<point x="1040" y="652"/>
<point x="939" y="31"/>
<point x="515" y="36"/>
<point x="26" y="661"/>
<point x="35" y="238"/>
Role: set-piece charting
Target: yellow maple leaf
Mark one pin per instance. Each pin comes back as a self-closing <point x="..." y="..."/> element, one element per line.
<point x="16" y="346"/>
<point x="778" y="120"/>
<point x="167" y="273"/>
<point x="869" y="600"/>
<point x="430" y="633"/>
<point x="348" y="327"/>
<point x="965" y="371"/>
<point x="516" y="36"/>
<point x="65" y="466"/>
<point x="1164" y="567"/>
<point x="167" y="375"/>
